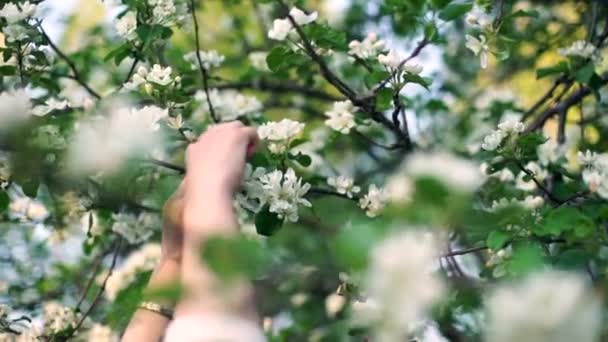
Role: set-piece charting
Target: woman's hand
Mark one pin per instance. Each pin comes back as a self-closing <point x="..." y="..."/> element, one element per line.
<point x="215" y="165"/>
<point x="217" y="160"/>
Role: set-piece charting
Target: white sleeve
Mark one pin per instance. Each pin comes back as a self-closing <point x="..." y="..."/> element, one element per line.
<point x="213" y="328"/>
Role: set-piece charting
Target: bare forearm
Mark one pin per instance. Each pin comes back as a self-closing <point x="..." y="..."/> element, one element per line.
<point x="147" y="325"/>
<point x="205" y="217"/>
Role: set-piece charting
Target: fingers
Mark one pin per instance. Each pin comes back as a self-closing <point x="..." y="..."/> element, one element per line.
<point x="253" y="140"/>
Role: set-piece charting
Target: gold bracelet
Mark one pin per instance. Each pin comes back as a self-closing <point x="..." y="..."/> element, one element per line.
<point x="158" y="308"/>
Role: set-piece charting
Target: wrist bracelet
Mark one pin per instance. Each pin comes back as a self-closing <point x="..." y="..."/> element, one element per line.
<point x="157" y="308"/>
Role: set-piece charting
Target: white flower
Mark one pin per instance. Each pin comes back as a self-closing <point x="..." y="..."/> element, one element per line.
<point x="115" y="137"/>
<point x="101" y="333"/>
<point x="457" y="173"/>
<point x="588" y="158"/>
<point x="229" y="105"/>
<point x="478" y="17"/>
<point x="133" y="228"/>
<point x="399" y="188"/>
<point x="126" y="25"/>
<point x="280" y="134"/>
<point x="144" y="259"/>
<point x="50" y="105"/>
<point x="176" y="122"/>
<point x="15" y="108"/>
<point x="511" y="126"/>
<point x="90" y="224"/>
<point x="479" y="47"/>
<point x="27" y="209"/>
<point x="209" y="59"/>
<point x="302" y="18"/>
<point x="15" y="33"/>
<point x="138" y="78"/>
<point x="400" y="284"/>
<point x="163" y="11"/>
<point x="58" y="317"/>
<point x="533" y="202"/>
<point x="284" y="193"/>
<point x="412" y="68"/>
<point x="280" y="29"/>
<point x="549" y="152"/>
<point x="258" y="60"/>
<point x="334" y="303"/>
<point x="539" y="173"/>
<point x="374" y="201"/>
<point x="344" y="185"/>
<point x="493" y="140"/>
<point x="160" y="75"/>
<point x="390" y="60"/>
<point x="14" y="14"/>
<point x="550" y="306"/>
<point x="368" y="48"/>
<point x="579" y="48"/>
<point x="341" y="117"/>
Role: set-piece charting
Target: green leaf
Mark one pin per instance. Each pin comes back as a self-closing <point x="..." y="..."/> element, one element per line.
<point x="384" y="99"/>
<point x="455" y="10"/>
<point x="566" y="219"/>
<point x="439" y="4"/>
<point x="117" y="53"/>
<point x="376" y="77"/>
<point x="282" y="58"/>
<point x="234" y="257"/>
<point x="528" y="145"/>
<point x="561" y="67"/>
<point x="4" y="201"/>
<point x="267" y="223"/>
<point x="302" y="159"/>
<point x="8" y="70"/>
<point x="352" y="244"/>
<point x="127" y="301"/>
<point x="584" y="74"/>
<point x="326" y="37"/>
<point x="527" y="257"/>
<point x="497" y="240"/>
<point x="423" y="81"/>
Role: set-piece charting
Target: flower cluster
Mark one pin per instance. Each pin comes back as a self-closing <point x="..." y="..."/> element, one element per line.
<point x="27" y="209"/>
<point x="344" y="186"/>
<point x="341" y="117"/>
<point x="50" y="105"/>
<point x="144" y="259"/>
<point x="478" y="17"/>
<point x="281" y="28"/>
<point x="394" y="62"/>
<point x="401" y="264"/>
<point x="16" y="108"/>
<point x="133" y="228"/>
<point x="168" y="12"/>
<point x="373" y="201"/>
<point x="506" y="128"/>
<point x="229" y="105"/>
<point x="58" y="317"/>
<point x="280" y="134"/>
<point x="595" y="172"/>
<point x="370" y="47"/>
<point x="126" y="26"/>
<point x="548" y="306"/>
<point x="579" y="48"/>
<point x="209" y="59"/>
<point x="125" y="132"/>
<point x="15" y="15"/>
<point x="158" y="75"/>
<point x="284" y="193"/>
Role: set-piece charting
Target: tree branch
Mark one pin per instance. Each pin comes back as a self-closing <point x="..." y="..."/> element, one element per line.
<point x="203" y="71"/>
<point x="70" y="63"/>
<point x="277" y="87"/>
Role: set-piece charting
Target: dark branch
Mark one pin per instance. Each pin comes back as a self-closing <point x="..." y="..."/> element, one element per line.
<point x="70" y="63"/>
<point x="280" y="88"/>
<point x="203" y="71"/>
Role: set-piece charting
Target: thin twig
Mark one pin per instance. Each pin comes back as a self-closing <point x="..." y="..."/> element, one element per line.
<point x="203" y="71"/>
<point x="546" y="191"/>
<point x="166" y="165"/>
<point x="130" y="73"/>
<point x="278" y="87"/>
<point x="465" y="251"/>
<point x="117" y="244"/>
<point x="70" y="63"/>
